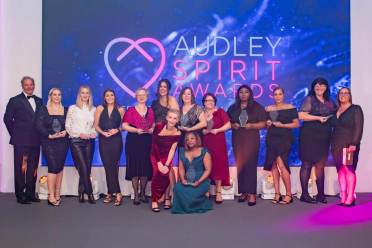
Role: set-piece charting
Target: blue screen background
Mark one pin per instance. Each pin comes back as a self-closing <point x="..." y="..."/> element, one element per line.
<point x="314" y="41"/>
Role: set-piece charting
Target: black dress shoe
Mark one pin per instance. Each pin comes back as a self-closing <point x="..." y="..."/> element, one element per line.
<point x="33" y="199"/>
<point x="23" y="200"/>
<point x="321" y="199"/>
<point x="250" y="203"/>
<point x="81" y="197"/>
<point x="308" y="199"/>
<point x="91" y="199"/>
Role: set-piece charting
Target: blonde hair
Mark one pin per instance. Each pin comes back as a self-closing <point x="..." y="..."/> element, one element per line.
<point x="142" y="89"/>
<point x="174" y="111"/>
<point x="79" y="103"/>
<point x="50" y="97"/>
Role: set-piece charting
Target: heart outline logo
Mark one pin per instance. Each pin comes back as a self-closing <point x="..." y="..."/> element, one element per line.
<point x="134" y="45"/>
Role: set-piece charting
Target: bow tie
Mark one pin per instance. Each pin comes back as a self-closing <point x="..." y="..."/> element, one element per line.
<point x="33" y="96"/>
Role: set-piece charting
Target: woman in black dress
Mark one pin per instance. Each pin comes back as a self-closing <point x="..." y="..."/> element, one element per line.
<point x="247" y="118"/>
<point x="164" y="101"/>
<point x="192" y="115"/>
<point x="282" y="118"/>
<point x="50" y="123"/>
<point x="160" y="106"/>
<point x="138" y="121"/>
<point x="347" y="134"/>
<point x="108" y="117"/>
<point x="315" y="136"/>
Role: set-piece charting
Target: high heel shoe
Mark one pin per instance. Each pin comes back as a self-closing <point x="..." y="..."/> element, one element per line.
<point x="81" y="197"/>
<point x="277" y="200"/>
<point x="118" y="200"/>
<point x="54" y="204"/>
<point x="167" y="206"/>
<point x="91" y="199"/>
<point x="136" y="201"/>
<point x="350" y="205"/>
<point x="284" y="202"/>
<point x="144" y="199"/>
<point x="242" y="198"/>
<point x="218" y="201"/>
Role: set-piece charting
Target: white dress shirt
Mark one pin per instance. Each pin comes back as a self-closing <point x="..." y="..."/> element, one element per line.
<point x="80" y="121"/>
<point x="32" y="102"/>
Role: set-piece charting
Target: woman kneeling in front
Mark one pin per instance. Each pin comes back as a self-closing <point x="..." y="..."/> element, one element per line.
<point x="194" y="169"/>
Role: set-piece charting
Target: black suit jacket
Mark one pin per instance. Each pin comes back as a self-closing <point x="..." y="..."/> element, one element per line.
<point x="19" y="119"/>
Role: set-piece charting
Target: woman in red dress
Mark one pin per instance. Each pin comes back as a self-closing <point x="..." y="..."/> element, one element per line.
<point x="214" y="140"/>
<point x="164" y="143"/>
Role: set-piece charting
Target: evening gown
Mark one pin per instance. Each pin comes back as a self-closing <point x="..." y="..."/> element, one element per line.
<point x="54" y="150"/>
<point x="138" y="146"/>
<point x="186" y="198"/>
<point x="246" y="146"/>
<point x="279" y="140"/>
<point x="111" y="148"/>
<point x="216" y="145"/>
<point x="161" y="146"/>
<point x="315" y="136"/>
<point x="348" y="130"/>
<point x="190" y="119"/>
<point x="160" y="111"/>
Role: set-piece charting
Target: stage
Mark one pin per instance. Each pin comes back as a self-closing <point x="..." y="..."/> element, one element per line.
<point x="228" y="225"/>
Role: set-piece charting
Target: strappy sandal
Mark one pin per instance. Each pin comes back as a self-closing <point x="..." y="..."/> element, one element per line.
<point x="242" y="198"/>
<point x="277" y="200"/>
<point x="107" y="199"/>
<point x="283" y="202"/>
<point x="53" y="203"/>
<point x="167" y="206"/>
<point x="218" y="201"/>
<point x="118" y="201"/>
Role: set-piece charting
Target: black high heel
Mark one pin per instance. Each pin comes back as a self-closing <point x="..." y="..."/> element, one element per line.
<point x="218" y="201"/>
<point x="167" y="206"/>
<point x="91" y="199"/>
<point x="54" y="204"/>
<point x="283" y="202"/>
<point x="276" y="201"/>
<point x="242" y="198"/>
<point x="144" y="199"/>
<point x="350" y="205"/>
<point x="81" y="197"/>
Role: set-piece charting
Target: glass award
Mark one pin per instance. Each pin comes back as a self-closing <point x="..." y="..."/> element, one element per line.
<point x="191" y="175"/>
<point x="274" y="115"/>
<point x="210" y="124"/>
<point x="56" y="126"/>
<point x="243" y="118"/>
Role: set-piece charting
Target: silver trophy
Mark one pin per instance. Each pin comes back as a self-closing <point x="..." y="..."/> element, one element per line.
<point x="243" y="118"/>
<point x="191" y="175"/>
<point x="274" y="115"/>
<point x="210" y="124"/>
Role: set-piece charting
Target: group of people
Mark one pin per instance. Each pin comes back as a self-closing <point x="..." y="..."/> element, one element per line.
<point x="197" y="133"/>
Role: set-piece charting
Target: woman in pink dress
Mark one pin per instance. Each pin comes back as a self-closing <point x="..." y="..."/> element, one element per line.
<point x="214" y="140"/>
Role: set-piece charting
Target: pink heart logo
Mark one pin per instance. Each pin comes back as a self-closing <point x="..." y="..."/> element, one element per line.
<point x="134" y="45"/>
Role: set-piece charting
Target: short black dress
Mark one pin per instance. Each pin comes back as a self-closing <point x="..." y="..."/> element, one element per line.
<point x="348" y="130"/>
<point x="246" y="146"/>
<point x="54" y="150"/>
<point x="315" y="137"/>
<point x="279" y="140"/>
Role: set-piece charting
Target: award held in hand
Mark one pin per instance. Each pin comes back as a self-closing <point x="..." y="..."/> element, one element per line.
<point x="347" y="156"/>
<point x="243" y="118"/>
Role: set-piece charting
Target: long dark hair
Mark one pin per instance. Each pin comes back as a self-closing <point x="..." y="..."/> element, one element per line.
<point x="250" y="99"/>
<point x="183" y="91"/>
<point x="338" y="95"/>
<point x="169" y="86"/>
<point x="104" y="104"/>
<point x="321" y="81"/>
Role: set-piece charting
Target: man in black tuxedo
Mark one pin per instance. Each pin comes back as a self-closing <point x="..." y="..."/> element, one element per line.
<point x="19" y="120"/>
